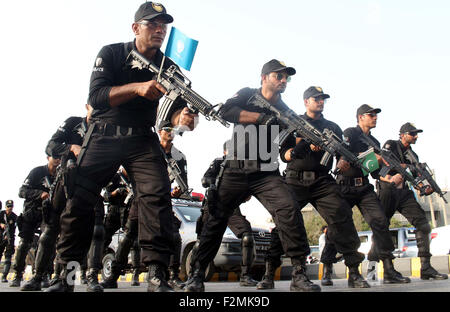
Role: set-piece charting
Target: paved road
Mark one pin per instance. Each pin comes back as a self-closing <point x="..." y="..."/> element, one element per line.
<point x="340" y="285"/>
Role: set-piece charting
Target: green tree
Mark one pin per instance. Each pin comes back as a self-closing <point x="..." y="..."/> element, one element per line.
<point x="313" y="224"/>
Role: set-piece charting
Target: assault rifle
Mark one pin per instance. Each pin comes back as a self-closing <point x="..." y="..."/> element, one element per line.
<point x="327" y="140"/>
<point x="175" y="174"/>
<point x="128" y="186"/>
<point x="6" y="234"/>
<point x="393" y="163"/>
<point x="424" y="172"/>
<point x="177" y="85"/>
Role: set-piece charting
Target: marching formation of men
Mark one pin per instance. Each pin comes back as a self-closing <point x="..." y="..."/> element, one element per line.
<point x="116" y="148"/>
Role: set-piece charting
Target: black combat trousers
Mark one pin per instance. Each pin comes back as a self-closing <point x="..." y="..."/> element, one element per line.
<point x="115" y="219"/>
<point x="403" y="201"/>
<point x="270" y="189"/>
<point x="141" y="157"/>
<point x="237" y="222"/>
<point x="7" y="247"/>
<point x="32" y="220"/>
<point x="368" y="203"/>
<point x="324" y="194"/>
<point x="47" y="241"/>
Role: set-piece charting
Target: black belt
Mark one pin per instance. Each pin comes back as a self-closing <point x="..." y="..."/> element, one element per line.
<point x="360" y="181"/>
<point x="242" y="164"/>
<point x="114" y="130"/>
<point x="305" y="175"/>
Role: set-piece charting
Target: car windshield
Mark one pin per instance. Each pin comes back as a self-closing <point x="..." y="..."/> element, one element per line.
<point x="191" y="214"/>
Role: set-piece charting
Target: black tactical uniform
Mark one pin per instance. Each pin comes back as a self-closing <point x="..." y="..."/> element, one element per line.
<point x="311" y="183"/>
<point x="71" y="132"/>
<point x="129" y="242"/>
<point x="260" y="178"/>
<point x="121" y="135"/>
<point x="237" y="223"/>
<point x="31" y="217"/>
<point x="357" y="190"/>
<point x="116" y="218"/>
<point x="403" y="200"/>
<point x="7" y="237"/>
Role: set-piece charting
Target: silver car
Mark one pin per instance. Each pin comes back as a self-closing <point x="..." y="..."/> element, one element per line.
<point x="228" y="258"/>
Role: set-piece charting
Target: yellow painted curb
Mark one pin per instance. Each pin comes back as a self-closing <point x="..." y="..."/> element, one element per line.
<point x="320" y="271"/>
<point x="415" y="267"/>
<point x="380" y="270"/>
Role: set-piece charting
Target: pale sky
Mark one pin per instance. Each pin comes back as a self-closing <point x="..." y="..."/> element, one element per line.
<point x="393" y="55"/>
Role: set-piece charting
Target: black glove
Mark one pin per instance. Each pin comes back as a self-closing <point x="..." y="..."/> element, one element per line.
<point x="300" y="150"/>
<point x="266" y="119"/>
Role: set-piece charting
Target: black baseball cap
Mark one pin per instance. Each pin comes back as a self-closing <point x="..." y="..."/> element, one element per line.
<point x="314" y="92"/>
<point x="164" y="123"/>
<point x="151" y="10"/>
<point x="365" y="108"/>
<point x="276" y="66"/>
<point x="409" y="127"/>
<point x="9" y="203"/>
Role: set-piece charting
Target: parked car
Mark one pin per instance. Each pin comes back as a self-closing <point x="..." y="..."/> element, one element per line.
<point x="228" y="258"/>
<point x="404" y="240"/>
<point x="440" y="241"/>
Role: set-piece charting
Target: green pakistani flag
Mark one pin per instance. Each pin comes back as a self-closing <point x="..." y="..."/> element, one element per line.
<point x="369" y="161"/>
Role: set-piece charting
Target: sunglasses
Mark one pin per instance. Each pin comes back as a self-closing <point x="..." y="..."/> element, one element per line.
<point x="280" y="76"/>
<point x="167" y="129"/>
<point x="153" y="25"/>
<point x="371" y="114"/>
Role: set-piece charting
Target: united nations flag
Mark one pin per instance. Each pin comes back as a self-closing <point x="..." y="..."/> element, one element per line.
<point x="181" y="49"/>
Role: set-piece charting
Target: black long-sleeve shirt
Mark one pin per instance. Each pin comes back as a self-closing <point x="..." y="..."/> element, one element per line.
<point x="10" y="220"/>
<point x="70" y="132"/>
<point x="111" y="69"/>
<point x="231" y="112"/>
<point x="33" y="187"/>
<point x="352" y="136"/>
<point x="399" y="150"/>
<point x="308" y="160"/>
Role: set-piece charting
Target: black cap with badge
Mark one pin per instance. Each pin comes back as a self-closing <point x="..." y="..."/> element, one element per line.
<point x="409" y="128"/>
<point x="365" y="108"/>
<point x="314" y="92"/>
<point x="276" y="66"/>
<point x="9" y="203"/>
<point x="151" y="10"/>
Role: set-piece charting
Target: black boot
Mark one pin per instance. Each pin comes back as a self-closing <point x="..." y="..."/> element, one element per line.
<point x="135" y="278"/>
<point x="248" y="255"/>
<point x="16" y="281"/>
<point x="195" y="282"/>
<point x="355" y="279"/>
<point x="391" y="276"/>
<point x="45" y="283"/>
<point x="327" y="274"/>
<point x="428" y="272"/>
<point x="62" y="285"/>
<point x="6" y="269"/>
<point x="300" y="281"/>
<point x="83" y="279"/>
<point x="174" y="280"/>
<point x="267" y="281"/>
<point x="34" y="284"/>
<point x="92" y="281"/>
<point x="247" y="281"/>
<point x="157" y="279"/>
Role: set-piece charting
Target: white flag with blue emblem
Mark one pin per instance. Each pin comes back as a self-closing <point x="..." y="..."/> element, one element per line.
<point x="181" y="49"/>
